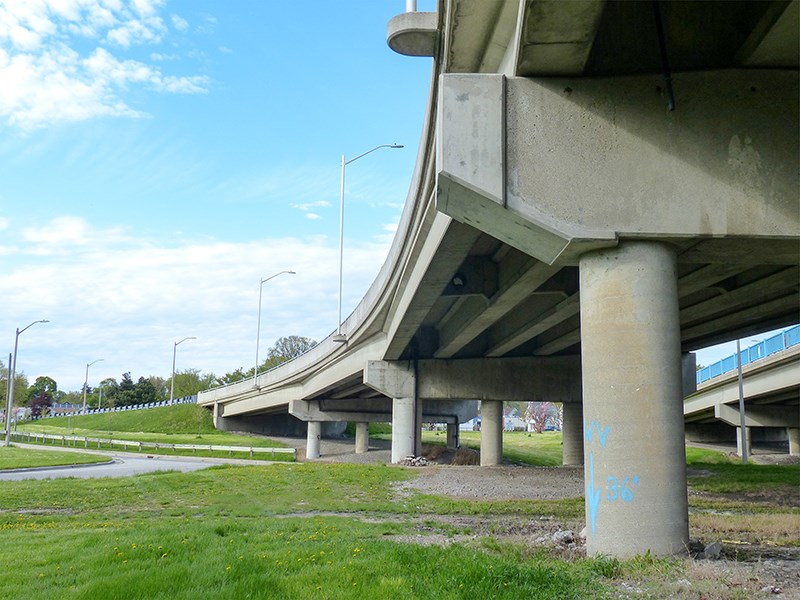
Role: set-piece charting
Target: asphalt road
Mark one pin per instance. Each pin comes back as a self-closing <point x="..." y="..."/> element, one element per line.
<point x="120" y="465"/>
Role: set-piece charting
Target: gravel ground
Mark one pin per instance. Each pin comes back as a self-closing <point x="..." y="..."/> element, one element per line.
<point x="776" y="573"/>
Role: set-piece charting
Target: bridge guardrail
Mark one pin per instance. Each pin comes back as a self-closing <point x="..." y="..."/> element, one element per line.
<point x="767" y="347"/>
<point x="28" y="436"/>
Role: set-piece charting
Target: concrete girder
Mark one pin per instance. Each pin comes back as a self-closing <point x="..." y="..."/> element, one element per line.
<point x="457" y="333"/>
<point x="743" y="296"/>
<point x="533" y="325"/>
<point x="780" y="312"/>
<point x="774" y="41"/>
<point x="557" y="37"/>
<point x="450" y="243"/>
<point x="759" y="416"/>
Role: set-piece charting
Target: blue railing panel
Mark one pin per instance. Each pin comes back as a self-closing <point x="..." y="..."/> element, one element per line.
<point x="776" y="343"/>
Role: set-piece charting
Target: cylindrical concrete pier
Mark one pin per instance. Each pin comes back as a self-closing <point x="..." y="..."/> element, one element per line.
<point x="362" y="438"/>
<point x="452" y="436"/>
<point x="313" y="438"/>
<point x="634" y="456"/>
<point x="572" y="433"/>
<point x="491" y="432"/>
<point x="794" y="440"/>
<point x="403" y="425"/>
<point x="748" y="438"/>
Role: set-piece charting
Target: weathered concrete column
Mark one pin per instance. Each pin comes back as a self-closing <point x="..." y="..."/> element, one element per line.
<point x="397" y="380"/>
<point x="748" y="439"/>
<point x="794" y="440"/>
<point x="635" y="463"/>
<point x="572" y="433"/>
<point x="452" y="436"/>
<point x="403" y="419"/>
<point x="313" y="439"/>
<point x="491" y="432"/>
<point x="362" y="437"/>
<point x="216" y="416"/>
<point x="418" y="428"/>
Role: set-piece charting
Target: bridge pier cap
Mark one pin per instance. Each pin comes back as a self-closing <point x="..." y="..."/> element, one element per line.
<point x="635" y="462"/>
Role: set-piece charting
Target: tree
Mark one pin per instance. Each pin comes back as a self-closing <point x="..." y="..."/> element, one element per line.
<point x="41" y="404"/>
<point x="536" y="414"/>
<point x="145" y="392"/>
<point x="42" y="385"/>
<point x="191" y="381"/>
<point x="286" y="348"/>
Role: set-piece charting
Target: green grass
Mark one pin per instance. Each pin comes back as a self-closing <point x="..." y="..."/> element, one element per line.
<point x="219" y="533"/>
<point x="19" y="458"/>
<point x="178" y="424"/>
<point x="704" y="456"/>
<point x="738" y="478"/>
<point x="303" y="530"/>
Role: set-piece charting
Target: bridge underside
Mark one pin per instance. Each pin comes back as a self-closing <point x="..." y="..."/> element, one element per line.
<point x="581" y="218"/>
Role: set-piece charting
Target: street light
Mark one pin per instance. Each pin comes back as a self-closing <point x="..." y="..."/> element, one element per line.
<point x="11" y="377"/>
<point x="742" y="419"/>
<point x="86" y="382"/>
<point x="339" y="337"/>
<point x="258" y="328"/>
<point x="174" y="352"/>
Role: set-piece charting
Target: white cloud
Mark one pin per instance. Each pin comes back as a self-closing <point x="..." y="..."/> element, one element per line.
<point x="45" y="80"/>
<point x="307" y="206"/>
<point x="180" y="23"/>
<point x="126" y="299"/>
<point x="225" y="50"/>
<point x="4" y="223"/>
<point x="313" y="216"/>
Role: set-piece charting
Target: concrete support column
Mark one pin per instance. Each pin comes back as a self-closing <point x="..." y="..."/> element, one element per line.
<point x="794" y="440"/>
<point x="572" y="433"/>
<point x="362" y="437"/>
<point x="634" y="456"/>
<point x="216" y="416"/>
<point x="398" y="381"/>
<point x="452" y="436"/>
<point x="403" y="429"/>
<point x="748" y="439"/>
<point x="313" y="438"/>
<point x="491" y="432"/>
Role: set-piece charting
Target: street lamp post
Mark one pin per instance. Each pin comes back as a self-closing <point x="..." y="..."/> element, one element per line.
<point x="339" y="337"/>
<point x="258" y="328"/>
<point x="174" y="352"/>
<point x="86" y="382"/>
<point x="11" y="376"/>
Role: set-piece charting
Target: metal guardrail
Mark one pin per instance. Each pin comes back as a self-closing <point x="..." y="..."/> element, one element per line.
<point x="28" y="436"/>
<point x="763" y="349"/>
<point x="98" y="411"/>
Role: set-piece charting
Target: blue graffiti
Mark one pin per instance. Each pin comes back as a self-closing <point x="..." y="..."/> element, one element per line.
<point x="602" y="435"/>
<point x="592" y="495"/>
<point x="621" y="492"/>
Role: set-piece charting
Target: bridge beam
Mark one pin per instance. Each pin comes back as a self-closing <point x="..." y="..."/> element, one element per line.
<point x="635" y="463"/>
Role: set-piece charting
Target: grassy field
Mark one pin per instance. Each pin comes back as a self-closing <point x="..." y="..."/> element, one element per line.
<point x="19" y="458"/>
<point x="348" y="531"/>
<point x="295" y="531"/>
<point x="179" y="424"/>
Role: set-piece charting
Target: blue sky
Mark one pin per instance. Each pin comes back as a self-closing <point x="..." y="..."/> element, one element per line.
<point x="159" y="157"/>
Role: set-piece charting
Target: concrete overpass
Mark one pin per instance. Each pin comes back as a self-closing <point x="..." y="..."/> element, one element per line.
<point x="600" y="188"/>
<point x="771" y="391"/>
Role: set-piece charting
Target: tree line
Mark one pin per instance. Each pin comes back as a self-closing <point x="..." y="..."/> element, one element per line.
<point x="43" y="393"/>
